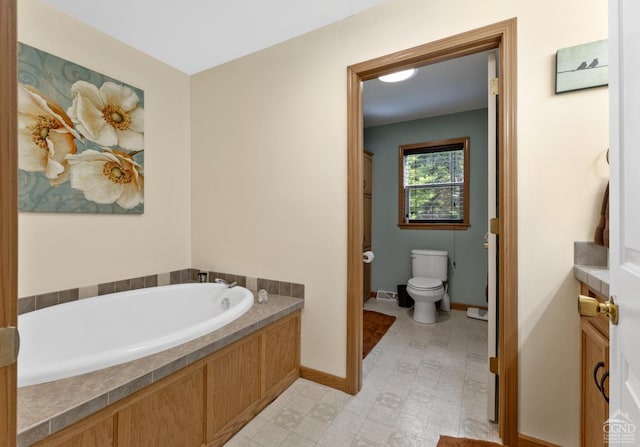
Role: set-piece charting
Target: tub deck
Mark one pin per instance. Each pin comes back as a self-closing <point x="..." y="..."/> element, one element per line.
<point x="49" y="407"/>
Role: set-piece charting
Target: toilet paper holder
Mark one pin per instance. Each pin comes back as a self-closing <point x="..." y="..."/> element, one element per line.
<point x="368" y="257"/>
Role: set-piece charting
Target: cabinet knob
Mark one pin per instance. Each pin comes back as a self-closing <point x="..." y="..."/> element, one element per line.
<point x="591" y="307"/>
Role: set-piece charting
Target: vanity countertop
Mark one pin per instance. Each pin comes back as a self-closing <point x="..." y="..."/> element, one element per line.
<point x="591" y="266"/>
<point x="49" y="407"/>
<point x="594" y="276"/>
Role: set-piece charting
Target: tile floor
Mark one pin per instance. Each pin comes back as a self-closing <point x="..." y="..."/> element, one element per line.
<point x="419" y="381"/>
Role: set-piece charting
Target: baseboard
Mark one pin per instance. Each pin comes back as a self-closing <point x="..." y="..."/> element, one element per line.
<point x="462" y="306"/>
<point x="339" y="383"/>
<point x="530" y="441"/>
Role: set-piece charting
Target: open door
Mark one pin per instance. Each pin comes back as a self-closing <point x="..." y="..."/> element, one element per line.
<point x="8" y="221"/>
<point x="623" y="426"/>
<point x="492" y="239"/>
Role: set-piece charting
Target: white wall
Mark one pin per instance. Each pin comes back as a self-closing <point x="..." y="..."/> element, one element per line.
<point x="269" y="176"/>
<point x="60" y="251"/>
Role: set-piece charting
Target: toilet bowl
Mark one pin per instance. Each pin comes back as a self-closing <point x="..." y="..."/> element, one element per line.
<point x="426" y="292"/>
<point x="426" y="287"/>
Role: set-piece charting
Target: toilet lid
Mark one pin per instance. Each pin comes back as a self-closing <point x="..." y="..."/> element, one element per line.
<point x="425" y="283"/>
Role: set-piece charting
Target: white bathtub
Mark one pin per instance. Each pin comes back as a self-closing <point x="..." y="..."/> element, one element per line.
<point x="90" y="334"/>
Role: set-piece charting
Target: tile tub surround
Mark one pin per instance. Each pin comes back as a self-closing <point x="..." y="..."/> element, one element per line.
<point x="591" y="266"/>
<point x="49" y="407"/>
<point x="272" y="286"/>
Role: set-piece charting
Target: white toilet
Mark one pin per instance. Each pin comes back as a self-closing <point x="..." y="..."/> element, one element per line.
<point x="429" y="270"/>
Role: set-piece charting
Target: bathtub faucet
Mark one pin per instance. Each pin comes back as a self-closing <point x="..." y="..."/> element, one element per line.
<point x="222" y="281"/>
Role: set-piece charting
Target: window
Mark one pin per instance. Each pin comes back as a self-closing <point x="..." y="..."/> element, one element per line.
<point x="434" y="185"/>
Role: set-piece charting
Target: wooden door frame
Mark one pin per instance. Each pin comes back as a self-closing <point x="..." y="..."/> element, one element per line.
<point x="500" y="36"/>
<point x="8" y="210"/>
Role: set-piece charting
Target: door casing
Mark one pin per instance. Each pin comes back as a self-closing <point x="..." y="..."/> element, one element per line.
<point x="500" y="36"/>
<point x="8" y="210"/>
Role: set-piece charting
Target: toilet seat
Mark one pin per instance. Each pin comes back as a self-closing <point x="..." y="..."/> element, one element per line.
<point x="424" y="283"/>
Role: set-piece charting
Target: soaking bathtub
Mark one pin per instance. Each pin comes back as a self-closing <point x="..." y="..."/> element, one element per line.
<point x="90" y="334"/>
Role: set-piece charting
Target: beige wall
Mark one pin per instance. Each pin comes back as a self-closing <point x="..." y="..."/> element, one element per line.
<point x="269" y="176"/>
<point x="59" y="251"/>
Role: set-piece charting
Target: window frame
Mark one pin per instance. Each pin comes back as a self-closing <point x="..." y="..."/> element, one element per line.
<point x="431" y="147"/>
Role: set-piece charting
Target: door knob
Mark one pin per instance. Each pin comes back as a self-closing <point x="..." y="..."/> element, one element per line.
<point x="591" y="307"/>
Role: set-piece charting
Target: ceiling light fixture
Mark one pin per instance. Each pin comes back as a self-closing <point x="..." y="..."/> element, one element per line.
<point x="399" y="76"/>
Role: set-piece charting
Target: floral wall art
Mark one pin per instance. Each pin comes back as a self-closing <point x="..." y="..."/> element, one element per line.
<point x="80" y="138"/>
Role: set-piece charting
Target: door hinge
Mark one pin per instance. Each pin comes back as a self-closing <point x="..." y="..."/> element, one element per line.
<point x="494" y="225"/>
<point x="494" y="86"/>
<point x="494" y="364"/>
<point x="9" y="346"/>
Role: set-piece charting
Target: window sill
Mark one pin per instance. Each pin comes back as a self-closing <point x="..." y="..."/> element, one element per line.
<point x="433" y="226"/>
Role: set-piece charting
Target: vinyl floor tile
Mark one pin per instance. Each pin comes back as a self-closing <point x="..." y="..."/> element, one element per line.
<point x="419" y="381"/>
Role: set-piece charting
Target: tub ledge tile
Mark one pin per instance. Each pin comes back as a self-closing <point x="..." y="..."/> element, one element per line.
<point x="78" y="412"/>
<point x="129" y="388"/>
<point x="168" y="369"/>
<point x="34" y="434"/>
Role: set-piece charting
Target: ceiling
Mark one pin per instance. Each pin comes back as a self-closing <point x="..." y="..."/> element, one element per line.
<point x="456" y="85"/>
<point x="195" y="35"/>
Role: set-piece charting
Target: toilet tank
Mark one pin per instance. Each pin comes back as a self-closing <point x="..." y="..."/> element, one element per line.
<point x="429" y="264"/>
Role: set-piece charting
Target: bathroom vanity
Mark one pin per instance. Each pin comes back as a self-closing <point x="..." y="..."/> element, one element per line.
<point x="592" y="272"/>
<point x="594" y="373"/>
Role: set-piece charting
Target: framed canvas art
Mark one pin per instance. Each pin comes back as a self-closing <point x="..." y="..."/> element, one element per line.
<point x="80" y="138"/>
<point x="583" y="66"/>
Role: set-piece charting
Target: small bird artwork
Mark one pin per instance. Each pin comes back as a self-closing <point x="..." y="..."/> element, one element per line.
<point x="582" y="66"/>
<point x="594" y="63"/>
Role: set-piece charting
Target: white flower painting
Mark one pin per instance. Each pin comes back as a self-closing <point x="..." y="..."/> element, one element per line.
<point x="81" y="138"/>
<point x="107" y="177"/>
<point x="108" y="116"/>
<point x="45" y="134"/>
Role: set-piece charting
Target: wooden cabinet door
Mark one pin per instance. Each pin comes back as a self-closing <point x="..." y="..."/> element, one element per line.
<point x="367" y="173"/>
<point x="282" y="352"/>
<point x="594" y="409"/>
<point x="366" y="229"/>
<point x="172" y="416"/>
<point x="234" y="383"/>
<point x="367" y="207"/>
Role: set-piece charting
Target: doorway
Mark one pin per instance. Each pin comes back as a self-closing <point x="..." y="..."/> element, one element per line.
<point x="500" y="36"/>
<point x="451" y="103"/>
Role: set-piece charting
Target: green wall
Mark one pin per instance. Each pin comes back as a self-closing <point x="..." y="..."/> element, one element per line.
<point x="392" y="245"/>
